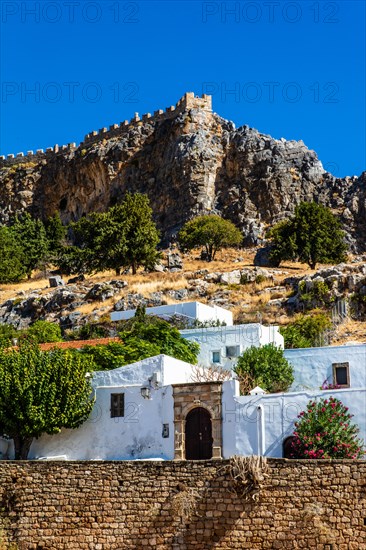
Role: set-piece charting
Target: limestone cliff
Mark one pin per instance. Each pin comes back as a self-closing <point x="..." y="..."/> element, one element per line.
<point x="188" y="160"/>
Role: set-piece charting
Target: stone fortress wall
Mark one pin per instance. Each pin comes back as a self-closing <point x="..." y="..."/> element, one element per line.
<point x="181" y="505"/>
<point x="188" y="101"/>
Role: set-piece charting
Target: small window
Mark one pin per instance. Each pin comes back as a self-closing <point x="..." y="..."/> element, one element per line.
<point x="232" y="351"/>
<point x="341" y="374"/>
<point x="117" y="404"/>
<point x="216" y="356"/>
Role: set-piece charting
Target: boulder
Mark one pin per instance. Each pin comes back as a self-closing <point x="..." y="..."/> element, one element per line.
<point x="174" y="261"/>
<point x="262" y="258"/>
<point x="56" y="281"/>
<point x="231" y="278"/>
<point x="77" y="279"/>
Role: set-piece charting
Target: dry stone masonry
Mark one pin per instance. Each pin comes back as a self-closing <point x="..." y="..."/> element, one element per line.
<point x="317" y="505"/>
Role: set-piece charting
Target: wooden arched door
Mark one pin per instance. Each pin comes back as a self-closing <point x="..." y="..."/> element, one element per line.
<point x="198" y="434"/>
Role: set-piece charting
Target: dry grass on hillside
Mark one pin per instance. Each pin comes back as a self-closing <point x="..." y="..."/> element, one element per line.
<point x="350" y="331"/>
<point x="249" y="301"/>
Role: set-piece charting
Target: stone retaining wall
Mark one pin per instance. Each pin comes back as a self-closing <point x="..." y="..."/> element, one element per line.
<point x="180" y="505"/>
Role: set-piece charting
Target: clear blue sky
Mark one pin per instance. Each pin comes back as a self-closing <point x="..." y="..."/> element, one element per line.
<point x="297" y="68"/>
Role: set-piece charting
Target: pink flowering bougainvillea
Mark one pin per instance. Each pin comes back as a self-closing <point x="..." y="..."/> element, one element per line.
<point x="325" y="430"/>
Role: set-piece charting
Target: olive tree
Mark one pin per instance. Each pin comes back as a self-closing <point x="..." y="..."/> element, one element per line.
<point x="210" y="232"/>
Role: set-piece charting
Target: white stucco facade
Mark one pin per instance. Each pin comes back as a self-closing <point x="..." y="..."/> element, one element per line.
<point x="254" y="424"/>
<point x="223" y="345"/>
<point x="313" y="366"/>
<point x="260" y="424"/>
<point x="189" y="311"/>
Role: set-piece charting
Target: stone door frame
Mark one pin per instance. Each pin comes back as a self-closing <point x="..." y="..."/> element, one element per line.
<point x="207" y="395"/>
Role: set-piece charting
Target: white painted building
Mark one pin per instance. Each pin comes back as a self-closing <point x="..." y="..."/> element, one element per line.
<point x="222" y="346"/>
<point x="345" y="365"/>
<point x="261" y="424"/>
<point x="188" y="311"/>
<point x="153" y="410"/>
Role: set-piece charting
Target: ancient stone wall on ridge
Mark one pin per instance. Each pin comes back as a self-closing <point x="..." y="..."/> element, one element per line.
<point x="181" y="505"/>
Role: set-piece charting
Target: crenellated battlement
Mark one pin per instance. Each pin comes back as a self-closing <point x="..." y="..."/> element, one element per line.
<point x="37" y="156"/>
<point x="188" y="101"/>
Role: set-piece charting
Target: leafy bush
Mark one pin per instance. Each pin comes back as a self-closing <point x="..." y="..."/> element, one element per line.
<point x="7" y="333"/>
<point x="89" y="331"/>
<point x="267" y="367"/>
<point x="115" y="354"/>
<point x="141" y="337"/>
<point x="325" y="431"/>
<point x="43" y="331"/>
<point x="318" y="296"/>
<point x="164" y="337"/>
<point x="306" y="331"/>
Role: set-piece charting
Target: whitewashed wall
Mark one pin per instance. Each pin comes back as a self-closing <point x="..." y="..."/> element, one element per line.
<point x="136" y="435"/>
<point x="314" y="365"/>
<point x="218" y="338"/>
<point x="188" y="310"/>
<point x="260" y="424"/>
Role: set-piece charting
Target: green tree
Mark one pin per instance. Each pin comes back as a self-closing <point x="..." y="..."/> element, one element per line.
<point x="12" y="269"/>
<point x="115" y="355"/>
<point x="123" y="237"/>
<point x="31" y="235"/>
<point x="267" y="367"/>
<point x="43" y="331"/>
<point x="311" y="236"/>
<point x="56" y="235"/>
<point x="165" y="337"/>
<point x="306" y="331"/>
<point x="42" y="392"/>
<point x="134" y="217"/>
<point x="143" y="336"/>
<point x="210" y="232"/>
<point x="325" y="430"/>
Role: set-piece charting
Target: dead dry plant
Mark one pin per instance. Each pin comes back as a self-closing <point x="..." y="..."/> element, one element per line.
<point x="214" y="373"/>
<point x="247" y="474"/>
<point x="184" y="502"/>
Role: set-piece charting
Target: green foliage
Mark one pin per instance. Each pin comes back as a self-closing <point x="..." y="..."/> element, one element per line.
<point x="142" y="336"/>
<point x="357" y="302"/>
<point x="306" y="331"/>
<point x="115" y="355"/>
<point x="7" y="333"/>
<point x="164" y="336"/>
<point x="211" y="232"/>
<point x="311" y="236"/>
<point x="56" y="235"/>
<point x="12" y="269"/>
<point x="318" y="295"/>
<point x="73" y="260"/>
<point x="42" y="392"/>
<point x="134" y="214"/>
<point x="31" y="234"/>
<point x="43" y="331"/>
<point x="89" y="331"/>
<point x="325" y="430"/>
<point x="267" y="367"/>
<point x="123" y="237"/>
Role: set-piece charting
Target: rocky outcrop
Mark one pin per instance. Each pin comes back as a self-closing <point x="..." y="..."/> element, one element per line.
<point x="190" y="162"/>
<point x="341" y="288"/>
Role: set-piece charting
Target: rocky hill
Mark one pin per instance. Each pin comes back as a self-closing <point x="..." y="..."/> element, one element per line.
<point x="188" y="160"/>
